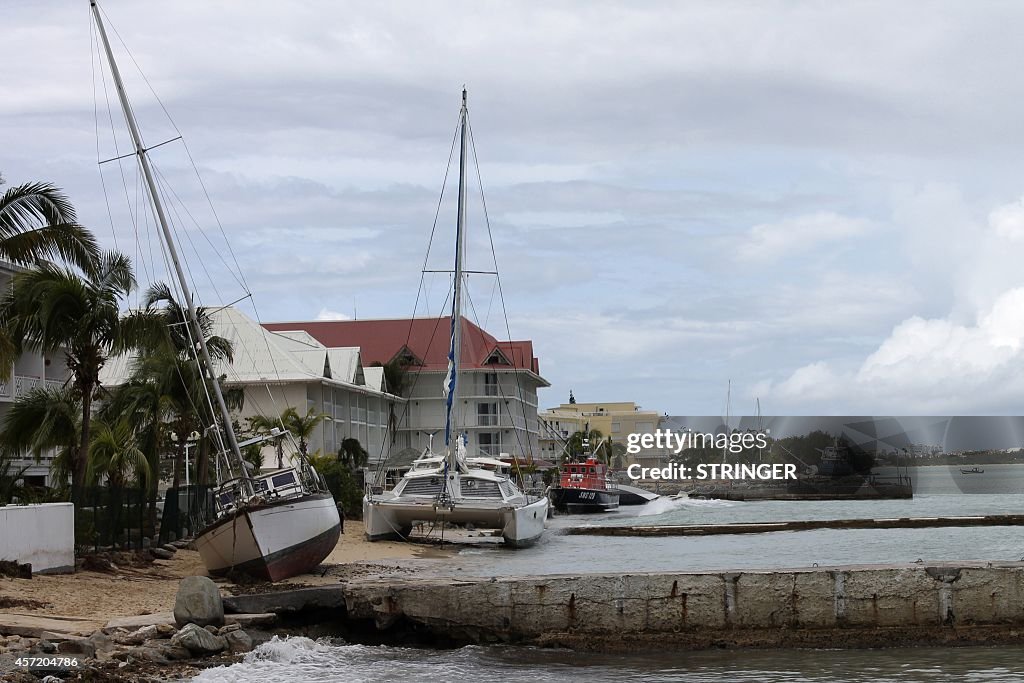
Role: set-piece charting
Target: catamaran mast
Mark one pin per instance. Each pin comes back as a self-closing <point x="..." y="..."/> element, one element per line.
<point x="460" y="246"/>
<point x="147" y="172"/>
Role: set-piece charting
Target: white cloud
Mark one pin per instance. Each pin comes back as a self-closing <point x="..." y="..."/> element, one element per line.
<point x="798" y="235"/>
<point x="926" y="365"/>
<point x="327" y="314"/>
<point x="1008" y="220"/>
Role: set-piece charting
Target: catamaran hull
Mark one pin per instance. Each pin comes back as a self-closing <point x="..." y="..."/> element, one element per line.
<point x="520" y="526"/>
<point x="272" y="541"/>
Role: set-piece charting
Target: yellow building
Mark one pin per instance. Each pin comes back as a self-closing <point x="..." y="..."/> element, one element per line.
<point x="616" y="419"/>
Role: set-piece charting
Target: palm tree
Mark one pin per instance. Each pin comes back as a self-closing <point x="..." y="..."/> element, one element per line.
<point x="353" y="454"/>
<point x="180" y="388"/>
<point x="261" y="424"/>
<point x="612" y="453"/>
<point x="38" y="222"/>
<point x="574" y="447"/>
<point x="58" y="308"/>
<point x="42" y="421"/>
<point x="301" y="427"/>
<point x="167" y="363"/>
<point x="143" y="405"/>
<point x="160" y="299"/>
<point x="115" y="454"/>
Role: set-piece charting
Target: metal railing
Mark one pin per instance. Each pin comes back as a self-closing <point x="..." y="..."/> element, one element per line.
<point x="23" y="385"/>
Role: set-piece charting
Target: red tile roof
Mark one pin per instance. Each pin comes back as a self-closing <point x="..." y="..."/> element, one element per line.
<point x="427" y="338"/>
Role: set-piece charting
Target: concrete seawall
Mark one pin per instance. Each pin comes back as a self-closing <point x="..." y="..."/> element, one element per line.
<point x="798" y="525"/>
<point x="850" y="606"/>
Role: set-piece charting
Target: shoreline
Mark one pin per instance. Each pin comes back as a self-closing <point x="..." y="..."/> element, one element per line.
<point x="102" y="595"/>
<point x="95" y="604"/>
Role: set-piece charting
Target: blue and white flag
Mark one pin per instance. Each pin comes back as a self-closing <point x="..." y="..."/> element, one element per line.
<point x="448" y="388"/>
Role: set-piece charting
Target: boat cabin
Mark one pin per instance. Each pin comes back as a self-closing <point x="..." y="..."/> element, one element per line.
<point x="270" y="486"/>
<point x="590" y="474"/>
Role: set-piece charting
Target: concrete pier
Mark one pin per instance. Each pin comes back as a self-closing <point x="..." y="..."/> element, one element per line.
<point x="799" y="525"/>
<point x="848" y="606"/>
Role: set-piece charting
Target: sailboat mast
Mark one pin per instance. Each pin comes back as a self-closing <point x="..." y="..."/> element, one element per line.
<point x="728" y="434"/>
<point x="147" y="172"/>
<point x="460" y="248"/>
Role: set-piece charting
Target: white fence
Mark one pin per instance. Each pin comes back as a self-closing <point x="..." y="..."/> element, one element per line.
<point x="43" y="535"/>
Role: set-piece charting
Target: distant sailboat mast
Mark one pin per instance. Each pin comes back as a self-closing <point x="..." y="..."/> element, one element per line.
<point x="728" y="436"/>
<point x="193" y="318"/>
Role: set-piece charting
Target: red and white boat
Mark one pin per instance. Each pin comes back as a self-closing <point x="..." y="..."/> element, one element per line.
<point x="257" y="535"/>
<point x="585" y="487"/>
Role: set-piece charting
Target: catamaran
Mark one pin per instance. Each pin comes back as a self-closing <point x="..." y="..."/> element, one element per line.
<point x="273" y="525"/>
<point x="453" y="487"/>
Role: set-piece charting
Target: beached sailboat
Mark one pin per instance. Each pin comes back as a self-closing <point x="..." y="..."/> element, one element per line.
<point x="274" y="525"/>
<point x="452" y="487"/>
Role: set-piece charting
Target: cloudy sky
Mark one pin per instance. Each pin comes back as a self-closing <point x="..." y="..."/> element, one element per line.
<point x="819" y="202"/>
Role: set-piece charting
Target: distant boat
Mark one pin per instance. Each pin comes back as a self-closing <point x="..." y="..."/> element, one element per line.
<point x="631" y="495"/>
<point x="585" y="487"/>
<point x="973" y="470"/>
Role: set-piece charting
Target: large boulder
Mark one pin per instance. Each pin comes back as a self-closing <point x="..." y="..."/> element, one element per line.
<point x="199" y="641"/>
<point x="198" y="602"/>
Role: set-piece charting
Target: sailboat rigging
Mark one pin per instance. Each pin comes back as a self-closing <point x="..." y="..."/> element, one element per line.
<point x="273" y="525"/>
<point x="454" y="487"/>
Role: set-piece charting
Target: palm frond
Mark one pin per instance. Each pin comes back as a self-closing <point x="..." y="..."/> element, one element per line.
<point x="37" y="221"/>
<point x="41" y="420"/>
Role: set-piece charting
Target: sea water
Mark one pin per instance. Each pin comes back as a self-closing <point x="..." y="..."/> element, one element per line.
<point x="301" y="660"/>
<point x="940" y="491"/>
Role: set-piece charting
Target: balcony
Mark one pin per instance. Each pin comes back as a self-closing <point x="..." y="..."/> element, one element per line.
<point x="20" y="385"/>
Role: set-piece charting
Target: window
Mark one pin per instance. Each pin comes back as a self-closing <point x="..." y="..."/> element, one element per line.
<point x="616" y="427"/>
<point x="491" y="384"/>
<point x="497" y="358"/>
<point x="490" y="443"/>
<point x="487" y="414"/>
<point x="283" y="479"/>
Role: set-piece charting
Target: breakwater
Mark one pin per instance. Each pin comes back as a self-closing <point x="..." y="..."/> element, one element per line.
<point x="848" y="606"/>
<point x="798" y="525"/>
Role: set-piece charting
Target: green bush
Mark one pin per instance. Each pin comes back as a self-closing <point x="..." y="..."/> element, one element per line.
<point x="342" y="483"/>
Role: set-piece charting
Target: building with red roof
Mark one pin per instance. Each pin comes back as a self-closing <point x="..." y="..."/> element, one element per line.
<point x="498" y="380"/>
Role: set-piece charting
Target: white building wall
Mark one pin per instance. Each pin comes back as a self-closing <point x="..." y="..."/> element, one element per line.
<point x="42" y="535"/>
<point x="350" y="413"/>
<point x="490" y="410"/>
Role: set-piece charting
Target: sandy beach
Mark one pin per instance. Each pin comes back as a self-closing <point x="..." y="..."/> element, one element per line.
<point x="130" y="591"/>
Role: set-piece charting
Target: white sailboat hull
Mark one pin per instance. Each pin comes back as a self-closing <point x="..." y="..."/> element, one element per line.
<point x="273" y="541"/>
<point x="520" y="525"/>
